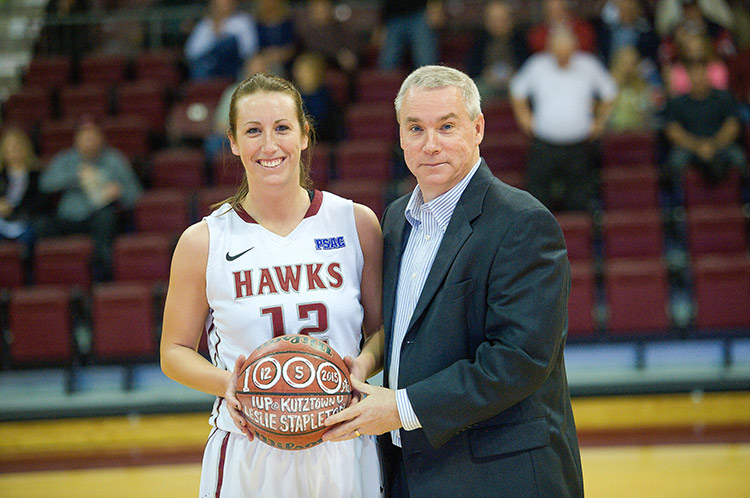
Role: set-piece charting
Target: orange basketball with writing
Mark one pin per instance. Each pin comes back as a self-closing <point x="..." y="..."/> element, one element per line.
<point x="288" y="387"/>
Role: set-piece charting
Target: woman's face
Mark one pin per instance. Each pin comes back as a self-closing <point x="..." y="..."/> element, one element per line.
<point x="269" y="138"/>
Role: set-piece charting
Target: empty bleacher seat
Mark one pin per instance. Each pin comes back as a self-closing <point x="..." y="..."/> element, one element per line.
<point x="376" y="85"/>
<point x="146" y="99"/>
<point x="499" y="118"/>
<point x="364" y="159"/>
<point x="123" y="322"/>
<point x="630" y="187"/>
<point x="64" y="261"/>
<point x="164" y="210"/>
<point x="142" y="257"/>
<point x="128" y="134"/>
<point x="39" y="323"/>
<point x="698" y="192"/>
<point x="28" y="107"/>
<point x="103" y="69"/>
<point x="160" y="65"/>
<point x="56" y="135"/>
<point x="634" y="147"/>
<point x="320" y="165"/>
<point x="49" y="71"/>
<point x="582" y="300"/>
<point x="227" y="169"/>
<point x="633" y="233"/>
<point x="364" y="120"/>
<point x="371" y="193"/>
<point x="178" y="167"/>
<point x="11" y="264"/>
<point x="637" y="296"/>
<point x="720" y="229"/>
<point x="721" y="291"/>
<point x="208" y="196"/>
<point x="84" y="99"/>
<point x="505" y="152"/>
<point x="578" y="229"/>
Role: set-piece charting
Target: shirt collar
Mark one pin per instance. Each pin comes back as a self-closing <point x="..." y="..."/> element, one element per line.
<point x="442" y="206"/>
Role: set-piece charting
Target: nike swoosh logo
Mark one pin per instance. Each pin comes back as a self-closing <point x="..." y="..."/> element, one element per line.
<point x="233" y="257"/>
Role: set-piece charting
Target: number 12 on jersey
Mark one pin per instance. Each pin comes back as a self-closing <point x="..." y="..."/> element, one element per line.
<point x="309" y="311"/>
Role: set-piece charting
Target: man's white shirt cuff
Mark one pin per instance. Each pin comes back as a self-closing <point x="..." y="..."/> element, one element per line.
<point x="409" y="419"/>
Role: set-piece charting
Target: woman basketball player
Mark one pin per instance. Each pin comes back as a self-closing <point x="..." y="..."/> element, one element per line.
<point x="276" y="258"/>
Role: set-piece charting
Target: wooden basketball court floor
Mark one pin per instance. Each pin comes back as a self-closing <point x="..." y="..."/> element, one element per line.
<point x="679" y="445"/>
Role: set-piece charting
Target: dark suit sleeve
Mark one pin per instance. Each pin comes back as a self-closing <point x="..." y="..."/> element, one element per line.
<point x="524" y="328"/>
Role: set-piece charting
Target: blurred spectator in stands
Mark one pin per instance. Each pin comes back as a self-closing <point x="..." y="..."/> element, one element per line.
<point x="498" y="52"/>
<point x="96" y="185"/>
<point x="627" y="26"/>
<point x="319" y="30"/>
<point x="308" y="74"/>
<point x="217" y="142"/>
<point x="694" y="46"/>
<point x="221" y="41"/>
<point x="702" y="128"/>
<point x="638" y="100"/>
<point x="276" y="36"/>
<point x="573" y="94"/>
<point x="557" y="13"/>
<point x="412" y="24"/>
<point x="712" y="18"/>
<point x="20" y="200"/>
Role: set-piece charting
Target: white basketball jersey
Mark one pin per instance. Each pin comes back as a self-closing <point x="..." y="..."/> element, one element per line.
<point x="260" y="284"/>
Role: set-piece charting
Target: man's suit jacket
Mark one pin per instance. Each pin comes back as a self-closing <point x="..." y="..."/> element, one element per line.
<point x="482" y="360"/>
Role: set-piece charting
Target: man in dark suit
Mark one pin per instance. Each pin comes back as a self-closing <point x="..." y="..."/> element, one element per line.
<point x="476" y="282"/>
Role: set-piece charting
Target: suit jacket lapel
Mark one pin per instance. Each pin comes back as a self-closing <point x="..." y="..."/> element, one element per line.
<point x="395" y="235"/>
<point x="468" y="208"/>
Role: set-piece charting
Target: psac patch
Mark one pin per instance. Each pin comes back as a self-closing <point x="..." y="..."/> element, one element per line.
<point x="329" y="243"/>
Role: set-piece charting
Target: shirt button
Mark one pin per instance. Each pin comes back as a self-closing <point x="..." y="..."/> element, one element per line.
<point x="427" y="237"/>
<point x="413" y="275"/>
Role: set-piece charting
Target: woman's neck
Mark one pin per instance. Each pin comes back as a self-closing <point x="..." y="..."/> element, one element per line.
<point x="279" y="211"/>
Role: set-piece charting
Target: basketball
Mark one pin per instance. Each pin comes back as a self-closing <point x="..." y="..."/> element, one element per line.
<point x="288" y="387"/>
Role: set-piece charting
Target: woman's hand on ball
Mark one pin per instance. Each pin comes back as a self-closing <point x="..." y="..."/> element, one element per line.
<point x="233" y="404"/>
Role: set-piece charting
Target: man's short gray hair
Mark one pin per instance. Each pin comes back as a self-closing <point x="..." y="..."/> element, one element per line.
<point x="441" y="76"/>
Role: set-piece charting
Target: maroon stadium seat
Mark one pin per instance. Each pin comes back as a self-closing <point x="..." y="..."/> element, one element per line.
<point x="128" y="134"/>
<point x="103" y="69"/>
<point x="498" y="118"/>
<point x="364" y="120"/>
<point x="64" y="261"/>
<point x="578" y="229"/>
<point x="84" y="99"/>
<point x="320" y="165"/>
<point x="146" y="99"/>
<point x="178" y="167"/>
<point x="142" y="257"/>
<point x="364" y="159"/>
<point x="162" y="210"/>
<point x="11" y="264"/>
<point x="159" y="65"/>
<point x="582" y="300"/>
<point x="376" y="85"/>
<point x="208" y="196"/>
<point x="721" y="229"/>
<point x="40" y="326"/>
<point x="227" y="169"/>
<point x="50" y="72"/>
<point x="28" y="107"/>
<point x="633" y="233"/>
<point x="699" y="193"/>
<point x="506" y="152"/>
<point x="56" y="135"/>
<point x="635" y="147"/>
<point x="370" y="193"/>
<point x="721" y="290"/>
<point x="635" y="187"/>
<point x="637" y="296"/>
<point x="122" y="316"/>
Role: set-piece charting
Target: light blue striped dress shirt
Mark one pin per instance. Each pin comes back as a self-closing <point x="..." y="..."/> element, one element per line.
<point x="428" y="224"/>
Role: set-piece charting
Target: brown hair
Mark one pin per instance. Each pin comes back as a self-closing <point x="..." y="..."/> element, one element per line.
<point x="262" y="82"/>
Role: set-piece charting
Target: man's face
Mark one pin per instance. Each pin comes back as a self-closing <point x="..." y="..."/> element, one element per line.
<point x="439" y="139"/>
<point x="89" y="141"/>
